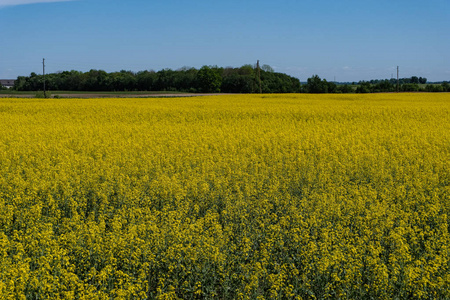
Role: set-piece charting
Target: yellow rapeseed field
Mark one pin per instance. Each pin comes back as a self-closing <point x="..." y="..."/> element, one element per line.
<point x="226" y="197"/>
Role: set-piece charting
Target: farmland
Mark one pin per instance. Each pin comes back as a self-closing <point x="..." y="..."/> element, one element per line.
<point x="226" y="197"/>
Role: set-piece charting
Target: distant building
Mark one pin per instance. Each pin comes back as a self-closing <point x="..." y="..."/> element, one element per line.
<point x="8" y="83"/>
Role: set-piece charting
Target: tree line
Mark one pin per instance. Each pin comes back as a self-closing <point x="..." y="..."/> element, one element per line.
<point x="413" y="79"/>
<point x="414" y="84"/>
<point x="207" y="79"/>
<point x="213" y="79"/>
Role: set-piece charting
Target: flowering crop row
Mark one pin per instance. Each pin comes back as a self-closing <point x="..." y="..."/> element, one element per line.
<point x="226" y="197"/>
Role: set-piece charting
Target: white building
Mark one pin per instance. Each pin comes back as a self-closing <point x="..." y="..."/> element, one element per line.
<point x="8" y="83"/>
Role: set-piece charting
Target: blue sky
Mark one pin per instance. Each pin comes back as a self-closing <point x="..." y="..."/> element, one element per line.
<point x="348" y="40"/>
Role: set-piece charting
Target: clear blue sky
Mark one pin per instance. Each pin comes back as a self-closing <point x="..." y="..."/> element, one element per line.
<point x="348" y="40"/>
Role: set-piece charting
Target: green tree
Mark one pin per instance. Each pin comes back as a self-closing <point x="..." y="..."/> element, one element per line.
<point x="410" y="87"/>
<point x="165" y="80"/>
<point x="434" y="88"/>
<point x="344" y="88"/>
<point x="208" y="80"/>
<point x="316" y="85"/>
<point x="145" y="80"/>
<point x="331" y="87"/>
<point x="185" y="79"/>
<point x="364" y="87"/>
<point x="235" y="83"/>
<point x="267" y="68"/>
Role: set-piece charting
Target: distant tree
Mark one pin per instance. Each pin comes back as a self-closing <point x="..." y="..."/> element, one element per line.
<point x="19" y="83"/>
<point x="445" y="86"/>
<point x="415" y="79"/>
<point x="123" y="81"/>
<point x="145" y="80"/>
<point x="315" y="85"/>
<point x="438" y="88"/>
<point x="208" y="80"/>
<point x="384" y="86"/>
<point x="344" y="88"/>
<point x="98" y="80"/>
<point x="434" y="88"/>
<point x="404" y="80"/>
<point x="422" y="80"/>
<point x="410" y="87"/>
<point x="185" y="80"/>
<point x="267" y="68"/>
<point x="331" y="87"/>
<point x="75" y="81"/>
<point x="364" y="87"/>
<point x="236" y="83"/>
<point x="166" y="80"/>
<point x="246" y="70"/>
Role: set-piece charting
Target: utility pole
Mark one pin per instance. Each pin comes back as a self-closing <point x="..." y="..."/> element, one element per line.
<point x="259" y="76"/>
<point x="43" y="72"/>
<point x="397" y="81"/>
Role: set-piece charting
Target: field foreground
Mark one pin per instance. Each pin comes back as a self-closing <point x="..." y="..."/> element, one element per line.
<point x="226" y="197"/>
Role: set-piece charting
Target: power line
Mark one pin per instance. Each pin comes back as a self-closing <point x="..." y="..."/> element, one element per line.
<point x="43" y="72"/>
<point x="259" y="76"/>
